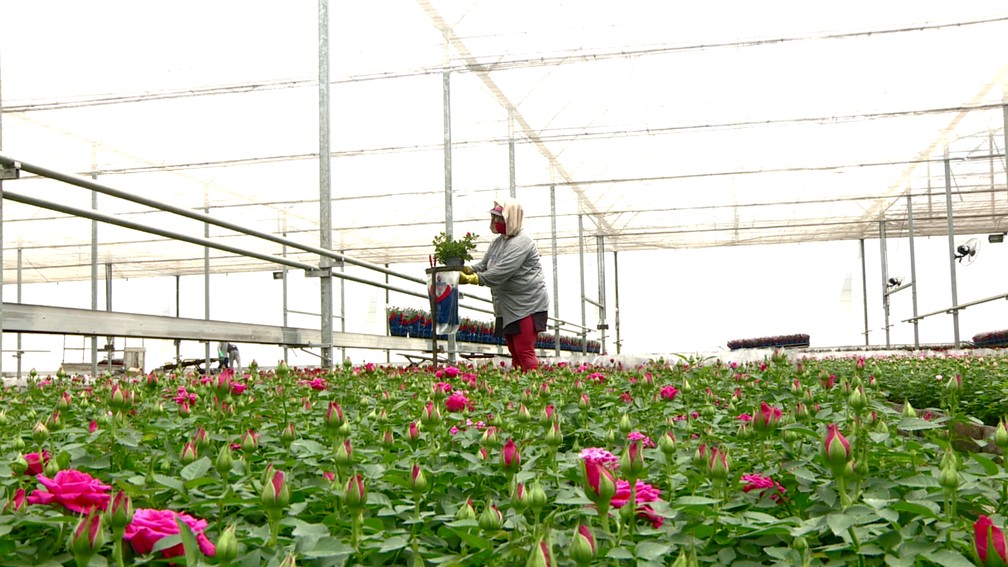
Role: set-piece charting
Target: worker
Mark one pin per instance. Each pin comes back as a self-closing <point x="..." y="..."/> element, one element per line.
<point x="228" y="357"/>
<point x="512" y="270"/>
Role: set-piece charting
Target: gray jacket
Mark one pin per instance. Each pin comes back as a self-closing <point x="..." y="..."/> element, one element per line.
<point x="513" y="272"/>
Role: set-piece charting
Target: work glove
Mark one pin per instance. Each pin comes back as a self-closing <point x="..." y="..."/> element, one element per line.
<point x="468" y="270"/>
<point x="465" y="278"/>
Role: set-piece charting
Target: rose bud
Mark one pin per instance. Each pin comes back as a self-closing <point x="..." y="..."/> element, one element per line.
<point x="599" y="483"/>
<point x="510" y="457"/>
<point x="334" y="416"/>
<point x="413" y="433"/>
<point x="536" y="496"/>
<point x="288" y="434"/>
<point x="836" y="448"/>
<point x="519" y="498"/>
<point x="719" y="464"/>
<point x="224" y="460"/>
<point x="201" y="439"/>
<point x="344" y="454"/>
<point x="355" y="496"/>
<point x="227" y="545"/>
<point x="40" y="433"/>
<point x="249" y="440"/>
<point x="583" y="547"/>
<point x="632" y="461"/>
<point x="87" y="538"/>
<point x="188" y="454"/>
<point x="466" y="511"/>
<point x="418" y="482"/>
<point x="989" y="542"/>
<point x="289" y="561"/>
<point x="276" y="493"/>
<point x="490" y="519"/>
<point x="119" y="511"/>
<point x="541" y="555"/>
<point x="554" y="438"/>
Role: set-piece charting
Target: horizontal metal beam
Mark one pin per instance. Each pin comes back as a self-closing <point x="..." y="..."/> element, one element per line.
<point x="44" y="319"/>
<point x="110" y="219"/>
<point x="957" y="308"/>
<point x="83" y="183"/>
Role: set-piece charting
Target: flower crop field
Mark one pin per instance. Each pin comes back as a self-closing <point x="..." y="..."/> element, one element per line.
<point x="684" y="462"/>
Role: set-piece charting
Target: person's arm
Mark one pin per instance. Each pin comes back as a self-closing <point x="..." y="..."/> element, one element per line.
<point x="481" y="265"/>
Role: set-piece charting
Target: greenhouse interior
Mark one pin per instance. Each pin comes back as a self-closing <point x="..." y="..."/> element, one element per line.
<point x="771" y="236"/>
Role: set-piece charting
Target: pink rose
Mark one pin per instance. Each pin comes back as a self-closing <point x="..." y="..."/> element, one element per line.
<point x="36" y="462"/>
<point x="149" y="526"/>
<point x="456" y="402"/>
<point x="76" y="490"/>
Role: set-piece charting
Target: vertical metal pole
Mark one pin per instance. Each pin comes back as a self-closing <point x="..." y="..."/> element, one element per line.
<point x="885" y="278"/>
<point x="342" y="305"/>
<point x="913" y="272"/>
<point x="325" y="185"/>
<point x="110" y="341"/>
<point x="990" y="152"/>
<point x="20" y="352"/>
<point x="864" y="289"/>
<point x="1005" y="112"/>
<point x="283" y="275"/>
<point x="600" y="254"/>
<point x="584" y="316"/>
<point x="94" y="260"/>
<point x="449" y="213"/>
<point x="178" y="314"/>
<point x="388" y="352"/>
<point x="615" y="260"/>
<point x="511" y="155"/>
<point x="951" y="245"/>
<point x="206" y="290"/>
<point x="556" y="272"/>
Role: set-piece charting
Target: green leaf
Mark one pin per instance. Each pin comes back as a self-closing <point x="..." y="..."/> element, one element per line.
<point x="306" y="447"/>
<point x="196" y="469"/>
<point x="326" y="547"/>
<point x="948" y="558"/>
<point x="919" y="507"/>
<point x="651" y="550"/>
<point x="695" y="501"/>
<point x="304" y="529"/>
<point x="169" y="482"/>
<point x="189" y="543"/>
<point x="471" y="537"/>
<point x="839" y="523"/>
<point x="394" y="543"/>
<point x="619" y="553"/>
<point x="990" y="467"/>
<point x="916" y="424"/>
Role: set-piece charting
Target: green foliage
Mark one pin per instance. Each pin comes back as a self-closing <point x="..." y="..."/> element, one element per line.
<point x="446" y="247"/>
<point x="890" y="506"/>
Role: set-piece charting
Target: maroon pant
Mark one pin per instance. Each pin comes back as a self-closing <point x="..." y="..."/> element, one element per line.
<point x="522" y="346"/>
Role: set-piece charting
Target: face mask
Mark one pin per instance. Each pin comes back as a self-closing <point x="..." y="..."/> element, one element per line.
<point x="500" y="228"/>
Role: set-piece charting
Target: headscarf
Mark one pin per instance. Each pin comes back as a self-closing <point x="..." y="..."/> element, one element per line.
<point x="513" y="215"/>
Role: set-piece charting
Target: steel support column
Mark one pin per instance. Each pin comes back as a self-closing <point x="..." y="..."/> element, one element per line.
<point x="951" y="250"/>
<point x="325" y="186"/>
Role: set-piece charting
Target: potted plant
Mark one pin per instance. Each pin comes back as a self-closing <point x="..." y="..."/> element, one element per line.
<point x="454" y="252"/>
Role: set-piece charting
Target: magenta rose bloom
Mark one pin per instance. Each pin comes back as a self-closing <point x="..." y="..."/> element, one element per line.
<point x="456" y="402"/>
<point x="149" y="526"/>
<point x="76" y="490"/>
<point x="36" y="462"/>
<point x="645" y="493"/>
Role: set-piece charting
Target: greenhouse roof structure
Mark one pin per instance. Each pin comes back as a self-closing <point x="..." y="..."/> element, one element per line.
<point x="658" y="125"/>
